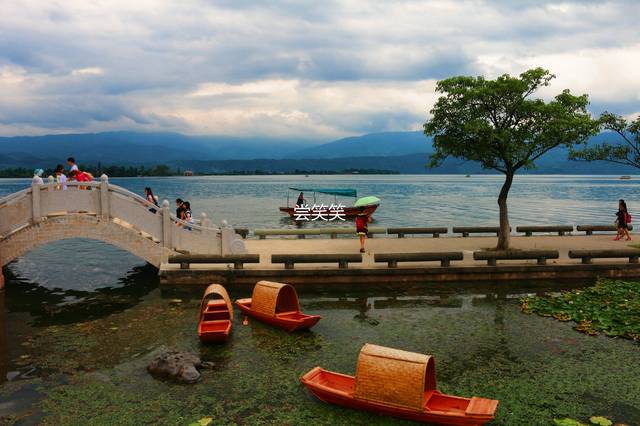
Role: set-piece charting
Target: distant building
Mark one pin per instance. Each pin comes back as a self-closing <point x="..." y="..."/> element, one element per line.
<point x="188" y="173"/>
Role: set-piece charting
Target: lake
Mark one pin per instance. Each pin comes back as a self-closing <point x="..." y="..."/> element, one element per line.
<point x="79" y="319"/>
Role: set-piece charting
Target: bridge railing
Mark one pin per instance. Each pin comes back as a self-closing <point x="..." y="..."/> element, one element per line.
<point x="111" y="202"/>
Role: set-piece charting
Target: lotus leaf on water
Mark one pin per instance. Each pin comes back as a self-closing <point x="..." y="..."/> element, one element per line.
<point x="611" y="307"/>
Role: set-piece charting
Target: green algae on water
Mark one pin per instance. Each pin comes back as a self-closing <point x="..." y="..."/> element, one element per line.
<point x="611" y="307"/>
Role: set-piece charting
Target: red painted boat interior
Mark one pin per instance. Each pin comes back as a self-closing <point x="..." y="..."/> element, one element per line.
<point x="293" y="316"/>
<point x="216" y="310"/>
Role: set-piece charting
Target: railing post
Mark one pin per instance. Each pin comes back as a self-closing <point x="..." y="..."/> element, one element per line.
<point x="35" y="202"/>
<point x="166" y="225"/>
<point x="50" y="186"/>
<point x="104" y="197"/>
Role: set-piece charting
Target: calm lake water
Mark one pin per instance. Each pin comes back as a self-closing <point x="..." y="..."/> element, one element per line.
<point x="79" y="319"/>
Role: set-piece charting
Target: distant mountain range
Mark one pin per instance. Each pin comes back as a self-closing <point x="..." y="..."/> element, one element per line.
<point x="403" y="152"/>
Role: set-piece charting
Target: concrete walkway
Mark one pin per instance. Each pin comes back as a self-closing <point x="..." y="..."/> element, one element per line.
<point x="378" y="244"/>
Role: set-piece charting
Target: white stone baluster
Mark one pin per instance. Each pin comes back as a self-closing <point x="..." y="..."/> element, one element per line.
<point x="35" y="203"/>
<point x="50" y="186"/>
<point x="204" y="221"/>
<point x="104" y="197"/>
<point x="167" y="227"/>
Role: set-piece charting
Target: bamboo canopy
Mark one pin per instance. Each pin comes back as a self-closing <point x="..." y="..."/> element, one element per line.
<point x="394" y="377"/>
<point x="271" y="298"/>
<point x="216" y="289"/>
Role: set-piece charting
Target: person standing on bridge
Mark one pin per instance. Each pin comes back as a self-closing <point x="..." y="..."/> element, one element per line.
<point x="148" y="193"/>
<point x="179" y="209"/>
<point x="72" y="165"/>
<point x="37" y="177"/>
<point x="59" y="178"/>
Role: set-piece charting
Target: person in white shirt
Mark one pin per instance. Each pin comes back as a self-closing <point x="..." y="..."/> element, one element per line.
<point x="37" y="177"/>
<point x="72" y="164"/>
<point x="59" y="177"/>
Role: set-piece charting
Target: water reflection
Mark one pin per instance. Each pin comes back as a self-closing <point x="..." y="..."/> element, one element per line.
<point x="49" y="306"/>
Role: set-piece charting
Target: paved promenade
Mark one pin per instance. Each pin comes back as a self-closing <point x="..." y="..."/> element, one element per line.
<point x="379" y="244"/>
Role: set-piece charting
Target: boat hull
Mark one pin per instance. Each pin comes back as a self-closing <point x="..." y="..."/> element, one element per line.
<point x="335" y="388"/>
<point x="349" y="212"/>
<point x="214" y="331"/>
<point x="290" y="321"/>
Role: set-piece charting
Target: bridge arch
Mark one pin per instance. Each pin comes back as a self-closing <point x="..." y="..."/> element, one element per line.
<point x="80" y="226"/>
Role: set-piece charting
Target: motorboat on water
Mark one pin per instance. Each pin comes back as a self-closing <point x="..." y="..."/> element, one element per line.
<point x="322" y="209"/>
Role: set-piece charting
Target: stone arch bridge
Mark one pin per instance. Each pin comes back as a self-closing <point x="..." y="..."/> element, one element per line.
<point x="99" y="210"/>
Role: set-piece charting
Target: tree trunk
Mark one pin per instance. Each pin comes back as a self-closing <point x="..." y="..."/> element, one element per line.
<point x="505" y="232"/>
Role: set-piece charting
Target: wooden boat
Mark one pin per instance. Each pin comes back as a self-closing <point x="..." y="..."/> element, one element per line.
<point x="216" y="315"/>
<point x="277" y="304"/>
<point x="324" y="210"/>
<point x="399" y="384"/>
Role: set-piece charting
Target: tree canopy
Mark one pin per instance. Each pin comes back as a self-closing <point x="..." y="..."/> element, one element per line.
<point x="626" y="150"/>
<point x="498" y="124"/>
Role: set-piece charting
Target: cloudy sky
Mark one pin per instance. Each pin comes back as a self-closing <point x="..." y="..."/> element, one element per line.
<point x="319" y="70"/>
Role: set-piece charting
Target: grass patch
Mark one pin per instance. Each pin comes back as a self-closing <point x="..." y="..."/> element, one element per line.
<point x="611" y="307"/>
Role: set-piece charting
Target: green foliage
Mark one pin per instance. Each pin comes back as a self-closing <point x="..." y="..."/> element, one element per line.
<point x="626" y="151"/>
<point x="600" y="421"/>
<point x="567" y="422"/>
<point x="610" y="307"/>
<point x="495" y="123"/>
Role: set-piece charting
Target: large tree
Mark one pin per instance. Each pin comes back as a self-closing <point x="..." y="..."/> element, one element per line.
<point x="498" y="124"/>
<point x="626" y="150"/>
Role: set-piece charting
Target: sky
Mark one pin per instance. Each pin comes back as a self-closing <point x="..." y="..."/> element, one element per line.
<point x="316" y="70"/>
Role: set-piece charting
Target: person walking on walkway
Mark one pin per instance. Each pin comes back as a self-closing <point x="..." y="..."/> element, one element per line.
<point x="362" y="227"/>
<point x="623" y="218"/>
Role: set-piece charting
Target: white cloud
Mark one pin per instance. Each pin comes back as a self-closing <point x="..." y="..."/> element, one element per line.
<point x="316" y="70"/>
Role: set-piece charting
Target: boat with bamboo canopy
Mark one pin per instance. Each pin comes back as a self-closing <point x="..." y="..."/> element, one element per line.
<point x="400" y="384"/>
<point x="277" y="304"/>
<point x="216" y="315"/>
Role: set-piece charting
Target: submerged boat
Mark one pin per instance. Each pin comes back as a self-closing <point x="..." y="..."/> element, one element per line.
<point x="214" y="324"/>
<point x="399" y="384"/>
<point x="277" y="304"/>
<point x="324" y="210"/>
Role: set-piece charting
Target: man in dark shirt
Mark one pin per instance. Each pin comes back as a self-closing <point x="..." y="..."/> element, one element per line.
<point x="180" y="208"/>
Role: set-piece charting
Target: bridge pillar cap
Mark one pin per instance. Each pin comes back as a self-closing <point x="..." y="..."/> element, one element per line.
<point x="104" y="178"/>
<point x="50" y="178"/>
<point x="224" y="223"/>
<point x="165" y="204"/>
<point x="203" y="214"/>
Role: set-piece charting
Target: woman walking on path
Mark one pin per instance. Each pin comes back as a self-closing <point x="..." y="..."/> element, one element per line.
<point x="362" y="227"/>
<point x="622" y="221"/>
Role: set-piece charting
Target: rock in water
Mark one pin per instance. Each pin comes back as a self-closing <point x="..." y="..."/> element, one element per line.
<point x="178" y="366"/>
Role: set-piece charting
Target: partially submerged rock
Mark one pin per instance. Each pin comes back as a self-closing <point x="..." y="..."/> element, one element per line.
<point x="179" y="366"/>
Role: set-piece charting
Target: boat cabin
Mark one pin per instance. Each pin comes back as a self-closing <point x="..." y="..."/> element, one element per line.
<point x="394" y="377"/>
<point x="271" y="298"/>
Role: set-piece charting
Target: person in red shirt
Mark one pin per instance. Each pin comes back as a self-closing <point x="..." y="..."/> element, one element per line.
<point x="362" y="227"/>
